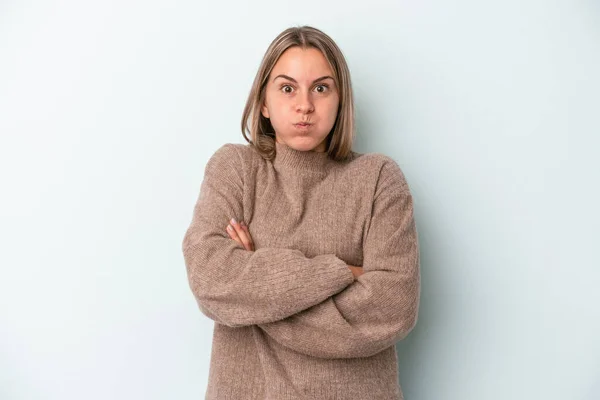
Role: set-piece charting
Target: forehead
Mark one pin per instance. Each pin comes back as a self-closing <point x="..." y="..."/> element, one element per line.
<point x="302" y="64"/>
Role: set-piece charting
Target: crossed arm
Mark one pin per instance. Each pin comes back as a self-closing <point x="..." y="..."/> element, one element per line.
<point x="237" y="287"/>
<point x="342" y="311"/>
<point x="239" y="232"/>
<point x="378" y="309"/>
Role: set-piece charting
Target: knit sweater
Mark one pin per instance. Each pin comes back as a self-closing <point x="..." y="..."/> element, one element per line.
<point x="290" y="319"/>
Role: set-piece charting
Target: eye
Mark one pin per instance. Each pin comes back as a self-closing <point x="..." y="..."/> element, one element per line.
<point x="326" y="87"/>
<point x="286" y="86"/>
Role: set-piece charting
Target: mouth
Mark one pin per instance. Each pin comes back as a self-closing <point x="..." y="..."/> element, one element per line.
<point x="303" y="125"/>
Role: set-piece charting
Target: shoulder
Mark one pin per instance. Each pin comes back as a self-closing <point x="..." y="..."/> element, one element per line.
<point x="232" y="154"/>
<point x="226" y="152"/>
<point x="225" y="163"/>
<point x="381" y="167"/>
<point x="232" y="161"/>
<point x="378" y="159"/>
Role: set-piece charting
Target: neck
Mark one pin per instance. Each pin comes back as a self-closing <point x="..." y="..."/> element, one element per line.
<point x="290" y="158"/>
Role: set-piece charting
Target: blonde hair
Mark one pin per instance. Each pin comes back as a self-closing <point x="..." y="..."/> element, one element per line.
<point x="262" y="137"/>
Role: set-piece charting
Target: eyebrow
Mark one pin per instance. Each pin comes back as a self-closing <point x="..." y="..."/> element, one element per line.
<point x="293" y="80"/>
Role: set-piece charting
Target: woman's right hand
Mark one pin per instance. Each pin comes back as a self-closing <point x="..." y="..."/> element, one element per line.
<point x="356" y="270"/>
<point x="239" y="232"/>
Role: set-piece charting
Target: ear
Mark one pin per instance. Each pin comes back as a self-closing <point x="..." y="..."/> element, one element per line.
<point x="264" y="110"/>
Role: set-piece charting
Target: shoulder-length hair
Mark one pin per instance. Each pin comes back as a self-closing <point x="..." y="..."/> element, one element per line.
<point x="262" y="136"/>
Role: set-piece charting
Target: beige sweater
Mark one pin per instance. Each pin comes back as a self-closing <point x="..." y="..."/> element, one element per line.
<point x="291" y="321"/>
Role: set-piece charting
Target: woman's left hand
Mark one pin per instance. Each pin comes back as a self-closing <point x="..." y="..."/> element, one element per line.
<point x="240" y="233"/>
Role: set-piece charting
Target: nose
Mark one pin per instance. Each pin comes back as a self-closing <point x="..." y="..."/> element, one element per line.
<point x="305" y="104"/>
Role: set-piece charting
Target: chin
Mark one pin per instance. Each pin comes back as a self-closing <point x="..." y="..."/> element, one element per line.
<point x="304" y="143"/>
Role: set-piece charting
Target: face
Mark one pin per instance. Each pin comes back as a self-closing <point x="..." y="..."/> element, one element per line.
<point x="301" y="89"/>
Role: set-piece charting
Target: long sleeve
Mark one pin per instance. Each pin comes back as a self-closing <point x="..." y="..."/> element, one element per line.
<point x="237" y="287"/>
<point x="381" y="306"/>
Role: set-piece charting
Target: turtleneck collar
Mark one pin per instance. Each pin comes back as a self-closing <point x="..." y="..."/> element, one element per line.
<point x="290" y="158"/>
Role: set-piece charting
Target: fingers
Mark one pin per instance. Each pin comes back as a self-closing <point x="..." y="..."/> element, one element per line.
<point x="356" y="270"/>
<point x="249" y="238"/>
<point x="240" y="233"/>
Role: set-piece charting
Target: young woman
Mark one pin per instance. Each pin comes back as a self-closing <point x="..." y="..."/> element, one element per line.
<point x="304" y="252"/>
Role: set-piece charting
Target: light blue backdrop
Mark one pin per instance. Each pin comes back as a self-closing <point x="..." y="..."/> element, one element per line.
<point x="109" y="111"/>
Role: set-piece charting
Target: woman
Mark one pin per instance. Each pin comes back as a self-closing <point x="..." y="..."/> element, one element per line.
<point x="303" y="252"/>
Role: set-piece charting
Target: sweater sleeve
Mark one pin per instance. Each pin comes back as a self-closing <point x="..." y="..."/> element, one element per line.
<point x="381" y="306"/>
<point x="237" y="287"/>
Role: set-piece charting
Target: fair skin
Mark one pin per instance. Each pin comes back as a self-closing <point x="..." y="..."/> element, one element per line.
<point x="300" y="88"/>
